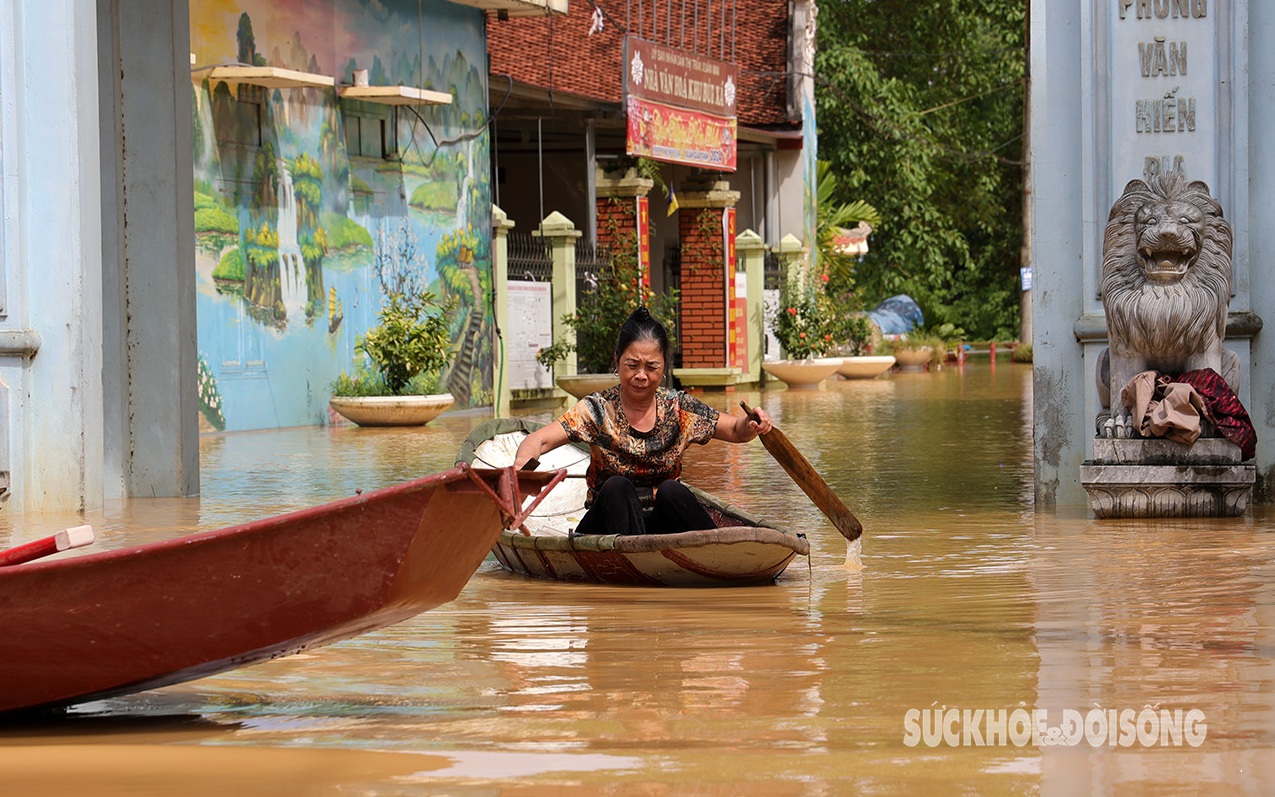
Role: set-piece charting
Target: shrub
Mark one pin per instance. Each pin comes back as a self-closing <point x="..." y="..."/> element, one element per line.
<point x="804" y="321"/>
<point x="602" y="312"/>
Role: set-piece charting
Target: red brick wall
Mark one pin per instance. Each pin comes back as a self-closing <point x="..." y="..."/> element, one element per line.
<point x="617" y="220"/>
<point x="558" y="53"/>
<point x="703" y="298"/>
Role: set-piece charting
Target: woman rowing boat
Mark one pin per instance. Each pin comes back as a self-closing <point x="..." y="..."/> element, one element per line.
<point x="637" y="432"/>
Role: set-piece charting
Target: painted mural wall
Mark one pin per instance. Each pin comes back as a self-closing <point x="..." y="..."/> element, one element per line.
<point x="299" y="195"/>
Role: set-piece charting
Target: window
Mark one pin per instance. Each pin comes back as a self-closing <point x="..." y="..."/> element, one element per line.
<point x="242" y="124"/>
<point x="371" y="134"/>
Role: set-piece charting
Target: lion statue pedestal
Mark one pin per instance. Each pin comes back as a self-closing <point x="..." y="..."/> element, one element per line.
<point x="1166" y="289"/>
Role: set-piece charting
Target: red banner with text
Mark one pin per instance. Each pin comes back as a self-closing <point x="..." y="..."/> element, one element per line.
<point x="680" y="106"/>
<point x="675" y="135"/>
<point x="644" y="239"/>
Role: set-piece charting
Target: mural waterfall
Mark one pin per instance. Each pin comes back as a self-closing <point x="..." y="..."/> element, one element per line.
<point x="294" y="187"/>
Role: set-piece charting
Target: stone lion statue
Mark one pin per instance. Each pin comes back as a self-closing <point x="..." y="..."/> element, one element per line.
<point x="1166" y="287"/>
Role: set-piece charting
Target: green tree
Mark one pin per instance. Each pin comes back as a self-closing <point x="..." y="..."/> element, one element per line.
<point x="920" y="109"/>
<point x="247" y="42"/>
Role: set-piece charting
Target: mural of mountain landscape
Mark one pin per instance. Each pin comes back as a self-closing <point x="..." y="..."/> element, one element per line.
<point x="298" y="193"/>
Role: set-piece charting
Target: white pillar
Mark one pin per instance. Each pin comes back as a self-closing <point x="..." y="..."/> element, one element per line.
<point x="50" y="254"/>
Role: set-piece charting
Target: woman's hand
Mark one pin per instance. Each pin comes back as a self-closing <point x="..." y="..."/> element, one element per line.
<point x="742" y="428"/>
<point x="546" y="438"/>
<point x="757" y="423"/>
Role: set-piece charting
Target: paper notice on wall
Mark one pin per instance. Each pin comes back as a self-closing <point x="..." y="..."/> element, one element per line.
<point x="530" y="330"/>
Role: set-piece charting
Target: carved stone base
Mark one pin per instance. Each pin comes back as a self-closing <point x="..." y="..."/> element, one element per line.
<point x="1159" y="451"/>
<point x="1160" y="478"/>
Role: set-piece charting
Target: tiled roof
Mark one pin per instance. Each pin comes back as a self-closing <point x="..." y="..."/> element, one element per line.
<point x="558" y="53"/>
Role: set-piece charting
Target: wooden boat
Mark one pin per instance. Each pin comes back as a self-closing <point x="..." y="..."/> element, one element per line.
<point x="121" y="621"/>
<point x="743" y="550"/>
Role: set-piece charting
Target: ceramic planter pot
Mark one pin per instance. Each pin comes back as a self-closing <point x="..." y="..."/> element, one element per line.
<point x="865" y="367"/>
<point x="391" y="410"/>
<point x="802" y="374"/>
<point x="581" y="385"/>
<point x="913" y="359"/>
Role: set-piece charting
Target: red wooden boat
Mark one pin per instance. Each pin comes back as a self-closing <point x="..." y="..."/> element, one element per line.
<point x="137" y="618"/>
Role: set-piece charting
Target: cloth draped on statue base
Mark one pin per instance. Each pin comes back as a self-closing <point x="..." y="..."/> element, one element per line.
<point x="1163" y="405"/>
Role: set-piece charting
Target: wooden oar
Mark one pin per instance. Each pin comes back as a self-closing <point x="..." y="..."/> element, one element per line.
<point x="809" y="480"/>
<point x="73" y="537"/>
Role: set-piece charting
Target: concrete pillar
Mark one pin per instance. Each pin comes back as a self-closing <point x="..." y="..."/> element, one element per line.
<point x="501" y="224"/>
<point x="150" y="351"/>
<point x="751" y="256"/>
<point x="706" y="211"/>
<point x="50" y="256"/>
<point x="792" y="264"/>
<point x="792" y="259"/>
<point x="562" y="235"/>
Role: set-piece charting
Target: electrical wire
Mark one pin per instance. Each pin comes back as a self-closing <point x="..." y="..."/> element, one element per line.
<point x="438" y="145"/>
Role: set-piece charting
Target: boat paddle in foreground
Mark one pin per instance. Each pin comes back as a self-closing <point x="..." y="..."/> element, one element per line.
<point x="74" y="629"/>
<point x="743" y="550"/>
<point x="814" y="486"/>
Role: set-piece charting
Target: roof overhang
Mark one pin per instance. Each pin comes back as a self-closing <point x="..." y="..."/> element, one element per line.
<point x="506" y="9"/>
<point x="785" y="138"/>
<point x="395" y="95"/>
<point x="271" y="77"/>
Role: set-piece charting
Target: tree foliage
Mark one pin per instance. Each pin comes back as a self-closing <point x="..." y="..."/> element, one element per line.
<point x="920" y="109"/>
<point x="413" y="334"/>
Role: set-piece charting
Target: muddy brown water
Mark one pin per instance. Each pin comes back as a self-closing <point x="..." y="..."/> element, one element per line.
<point x="829" y="682"/>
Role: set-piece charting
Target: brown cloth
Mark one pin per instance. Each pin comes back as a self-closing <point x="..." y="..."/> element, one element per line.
<point x="1163" y="408"/>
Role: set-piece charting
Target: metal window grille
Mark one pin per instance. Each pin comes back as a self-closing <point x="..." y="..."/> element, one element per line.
<point x="592" y="264"/>
<point x="773" y="279"/>
<point x="530" y="258"/>
<point x="673" y="282"/>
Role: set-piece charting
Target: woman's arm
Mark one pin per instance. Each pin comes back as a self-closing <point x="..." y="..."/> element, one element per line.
<point x="741" y="428"/>
<point x="546" y="438"/>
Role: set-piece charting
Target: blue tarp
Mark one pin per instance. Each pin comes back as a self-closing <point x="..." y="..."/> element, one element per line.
<point x="897" y="315"/>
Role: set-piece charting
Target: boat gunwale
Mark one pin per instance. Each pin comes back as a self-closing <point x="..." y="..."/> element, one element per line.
<point x="247" y="528"/>
<point x="654" y="543"/>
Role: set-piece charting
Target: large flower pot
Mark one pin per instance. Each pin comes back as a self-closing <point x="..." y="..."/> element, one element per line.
<point x="581" y="385"/>
<point x="802" y="374"/>
<point x="913" y="359"/>
<point x="391" y="410"/>
<point x="865" y="367"/>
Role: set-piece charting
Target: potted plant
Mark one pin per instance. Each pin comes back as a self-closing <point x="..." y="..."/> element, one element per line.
<point x="857" y="358"/>
<point x="407" y="351"/>
<point x="912" y="352"/>
<point x="615" y="294"/>
<point x="805" y="323"/>
<point x="852" y="329"/>
<point x="921" y="350"/>
<point x="581" y="383"/>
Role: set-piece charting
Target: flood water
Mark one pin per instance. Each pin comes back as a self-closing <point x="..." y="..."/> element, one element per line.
<point x="968" y="600"/>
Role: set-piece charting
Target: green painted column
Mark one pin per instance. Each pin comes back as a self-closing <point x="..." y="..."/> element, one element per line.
<point x="792" y="262"/>
<point x="750" y="253"/>
<point x="562" y="235"/>
<point x="501" y="224"/>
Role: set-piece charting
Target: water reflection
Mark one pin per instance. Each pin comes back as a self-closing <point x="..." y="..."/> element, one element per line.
<point x="968" y="599"/>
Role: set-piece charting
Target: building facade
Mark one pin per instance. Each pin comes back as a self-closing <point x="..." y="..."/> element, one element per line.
<point x="198" y="200"/>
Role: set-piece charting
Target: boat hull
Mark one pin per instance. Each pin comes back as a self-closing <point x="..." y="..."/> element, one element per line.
<point x="142" y="617"/>
<point x="741" y="551"/>
<point x="735" y="556"/>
